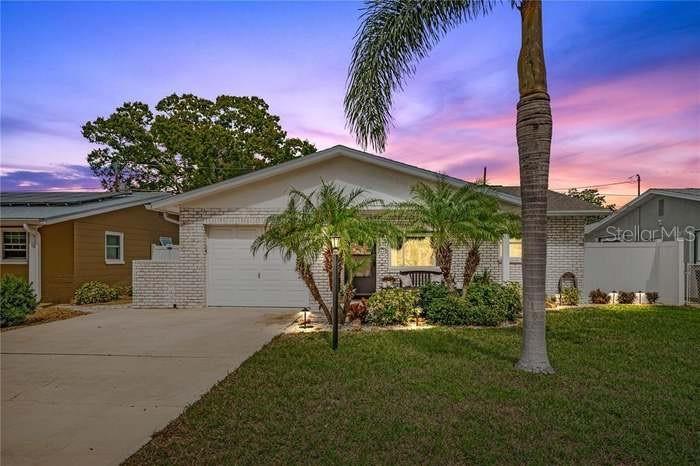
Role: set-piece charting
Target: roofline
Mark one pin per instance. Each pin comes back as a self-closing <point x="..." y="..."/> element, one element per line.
<point x="639" y="200"/>
<point x="578" y="213"/>
<point x="77" y="215"/>
<point x="311" y="159"/>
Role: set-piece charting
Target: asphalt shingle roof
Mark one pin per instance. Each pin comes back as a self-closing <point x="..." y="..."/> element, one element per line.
<point x="556" y="201"/>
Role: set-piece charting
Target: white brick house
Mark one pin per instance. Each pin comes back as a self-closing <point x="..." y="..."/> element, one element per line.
<point x="219" y="222"/>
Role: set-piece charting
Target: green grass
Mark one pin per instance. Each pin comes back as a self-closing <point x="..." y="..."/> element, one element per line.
<point x="625" y="392"/>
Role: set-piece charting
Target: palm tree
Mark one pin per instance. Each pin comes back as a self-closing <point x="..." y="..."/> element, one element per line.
<point x="439" y="210"/>
<point x="303" y="231"/>
<point x="487" y="223"/>
<point x="394" y="35"/>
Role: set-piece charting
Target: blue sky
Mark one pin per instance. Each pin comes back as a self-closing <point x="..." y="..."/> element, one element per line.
<point x="624" y="79"/>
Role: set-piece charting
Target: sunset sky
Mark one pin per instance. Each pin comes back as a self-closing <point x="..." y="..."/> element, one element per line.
<point x="624" y="80"/>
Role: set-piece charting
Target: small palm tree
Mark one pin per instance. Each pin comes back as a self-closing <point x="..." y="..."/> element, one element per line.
<point x="487" y="223"/>
<point x="437" y="210"/>
<point x="303" y="231"/>
<point x="394" y="35"/>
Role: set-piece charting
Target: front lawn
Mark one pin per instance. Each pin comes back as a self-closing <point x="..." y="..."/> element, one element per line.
<point x="626" y="392"/>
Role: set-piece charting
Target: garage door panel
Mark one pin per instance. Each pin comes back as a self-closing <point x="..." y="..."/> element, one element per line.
<point x="237" y="278"/>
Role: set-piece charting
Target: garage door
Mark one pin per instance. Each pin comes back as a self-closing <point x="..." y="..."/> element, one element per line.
<point x="237" y="278"/>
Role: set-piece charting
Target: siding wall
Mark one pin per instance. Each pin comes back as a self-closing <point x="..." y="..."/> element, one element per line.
<point x="72" y="252"/>
<point x="20" y="270"/>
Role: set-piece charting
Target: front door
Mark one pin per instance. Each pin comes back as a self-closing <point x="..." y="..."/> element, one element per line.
<point x="365" y="280"/>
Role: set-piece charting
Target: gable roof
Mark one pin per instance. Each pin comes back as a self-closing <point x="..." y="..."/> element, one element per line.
<point x="692" y="194"/>
<point x="54" y="207"/>
<point x="561" y="204"/>
<point x="502" y="193"/>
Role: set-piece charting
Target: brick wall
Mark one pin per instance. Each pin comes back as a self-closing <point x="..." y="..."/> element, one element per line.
<point x="158" y="284"/>
<point x="155" y="284"/>
<point x="564" y="254"/>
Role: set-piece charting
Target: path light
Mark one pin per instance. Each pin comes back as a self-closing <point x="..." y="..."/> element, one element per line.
<point x="335" y="244"/>
<point x="305" y="323"/>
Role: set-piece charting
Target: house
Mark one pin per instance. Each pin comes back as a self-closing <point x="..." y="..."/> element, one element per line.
<point x="219" y="222"/>
<point x="660" y="214"/>
<point x="59" y="240"/>
<point x="650" y="244"/>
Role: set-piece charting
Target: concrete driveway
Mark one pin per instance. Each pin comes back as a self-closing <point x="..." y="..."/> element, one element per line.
<point x="92" y="389"/>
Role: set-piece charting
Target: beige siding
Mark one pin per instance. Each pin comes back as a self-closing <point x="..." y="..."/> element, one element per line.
<point x="140" y="227"/>
<point x="20" y="270"/>
<point x="57" y="262"/>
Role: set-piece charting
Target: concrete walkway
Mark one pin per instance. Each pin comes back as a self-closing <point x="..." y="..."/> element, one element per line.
<point x="92" y="389"/>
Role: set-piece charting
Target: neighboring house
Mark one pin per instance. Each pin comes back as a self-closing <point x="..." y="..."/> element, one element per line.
<point x="219" y="222"/>
<point x="664" y="214"/>
<point x="59" y="240"/>
<point x="648" y="245"/>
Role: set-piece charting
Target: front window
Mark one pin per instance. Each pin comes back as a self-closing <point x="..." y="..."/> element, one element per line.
<point x="114" y="247"/>
<point x="515" y="250"/>
<point x="415" y="252"/>
<point x="14" y="246"/>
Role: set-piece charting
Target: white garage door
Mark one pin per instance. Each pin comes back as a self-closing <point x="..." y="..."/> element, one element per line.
<point x="237" y="278"/>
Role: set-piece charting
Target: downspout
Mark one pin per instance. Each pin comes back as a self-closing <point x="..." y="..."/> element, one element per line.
<point x="34" y="258"/>
<point x="171" y="220"/>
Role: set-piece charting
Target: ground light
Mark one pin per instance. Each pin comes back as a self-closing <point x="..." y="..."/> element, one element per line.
<point x="335" y="244"/>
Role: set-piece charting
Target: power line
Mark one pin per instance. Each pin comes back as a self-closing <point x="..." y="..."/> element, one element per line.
<point x="629" y="180"/>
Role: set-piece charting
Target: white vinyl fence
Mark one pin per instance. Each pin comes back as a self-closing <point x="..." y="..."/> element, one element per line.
<point x="163" y="254"/>
<point x="643" y="266"/>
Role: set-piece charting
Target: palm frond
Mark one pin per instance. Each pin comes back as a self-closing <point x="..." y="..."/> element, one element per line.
<point x="393" y="37"/>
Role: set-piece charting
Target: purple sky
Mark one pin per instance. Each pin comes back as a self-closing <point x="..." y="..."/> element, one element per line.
<point x="624" y="79"/>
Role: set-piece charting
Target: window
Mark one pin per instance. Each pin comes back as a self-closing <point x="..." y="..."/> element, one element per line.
<point x="14" y="246"/>
<point x="114" y="247"/>
<point x="515" y="250"/>
<point x="415" y="252"/>
<point x="661" y="207"/>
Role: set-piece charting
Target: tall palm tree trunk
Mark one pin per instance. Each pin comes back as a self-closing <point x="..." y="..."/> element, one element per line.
<point x="470" y="265"/>
<point x="534" y="135"/>
<point x="307" y="276"/>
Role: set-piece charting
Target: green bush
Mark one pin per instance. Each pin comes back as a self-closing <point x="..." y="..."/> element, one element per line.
<point x="598" y="296"/>
<point x="392" y="306"/>
<point x="95" y="292"/>
<point x="625" y="297"/>
<point x="17" y="300"/>
<point x="512" y="297"/>
<point x="448" y="310"/>
<point x="430" y="292"/>
<point x="570" y="296"/>
<point x="652" y="296"/>
<point x="124" y="291"/>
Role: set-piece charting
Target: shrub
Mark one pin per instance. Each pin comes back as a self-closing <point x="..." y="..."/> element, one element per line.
<point x="599" y="297"/>
<point x="448" y="310"/>
<point x="358" y="310"/>
<point x="95" y="292"/>
<point x="570" y="296"/>
<point x="430" y="292"/>
<point x="625" y="297"/>
<point x="652" y="297"/>
<point x="17" y="300"/>
<point x="124" y="291"/>
<point x="456" y="310"/>
<point x="550" y="302"/>
<point x="512" y="297"/>
<point x="483" y="277"/>
<point x="392" y="306"/>
<point x="507" y="299"/>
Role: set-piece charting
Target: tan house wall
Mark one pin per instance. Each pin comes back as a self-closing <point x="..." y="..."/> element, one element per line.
<point x="57" y="262"/>
<point x="20" y="270"/>
<point x="73" y="252"/>
<point x="141" y="228"/>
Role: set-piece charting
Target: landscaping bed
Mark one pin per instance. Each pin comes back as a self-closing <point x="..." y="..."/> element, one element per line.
<point x="625" y="392"/>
